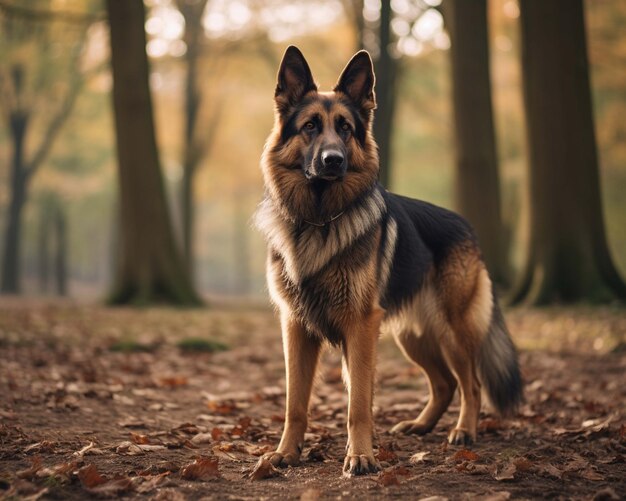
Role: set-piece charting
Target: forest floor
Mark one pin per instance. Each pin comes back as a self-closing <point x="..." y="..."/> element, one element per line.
<point x="179" y="404"/>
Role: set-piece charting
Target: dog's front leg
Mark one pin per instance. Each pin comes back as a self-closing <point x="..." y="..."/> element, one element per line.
<point x="301" y="355"/>
<point x="359" y="349"/>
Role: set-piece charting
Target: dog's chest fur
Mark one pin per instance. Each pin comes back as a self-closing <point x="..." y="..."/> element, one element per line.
<point x="326" y="274"/>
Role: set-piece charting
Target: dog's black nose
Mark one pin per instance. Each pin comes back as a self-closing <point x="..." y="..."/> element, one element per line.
<point x="332" y="159"/>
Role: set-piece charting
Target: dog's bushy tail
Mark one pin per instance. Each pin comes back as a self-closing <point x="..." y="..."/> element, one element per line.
<point x="498" y="366"/>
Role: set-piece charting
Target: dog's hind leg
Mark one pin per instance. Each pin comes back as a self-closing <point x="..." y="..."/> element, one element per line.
<point x="301" y="356"/>
<point x="425" y="352"/>
<point x="461" y="356"/>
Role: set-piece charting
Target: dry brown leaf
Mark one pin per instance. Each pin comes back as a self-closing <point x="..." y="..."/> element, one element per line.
<point x="507" y="473"/>
<point x="465" y="455"/>
<point x="202" y="438"/>
<point x="387" y="478"/>
<point x="419" y="457"/>
<point x="129" y="449"/>
<point x="201" y="469"/>
<point x="150" y="482"/>
<point x="221" y="407"/>
<point x="111" y="488"/>
<point x="490" y="425"/>
<point x="591" y="474"/>
<point x="523" y="464"/>
<point x="90" y="477"/>
<point x="551" y="471"/>
<point x="29" y="473"/>
<point x="139" y="439"/>
<point x="216" y="433"/>
<point x="385" y="454"/>
<point x="173" y="381"/>
<point x="43" y="446"/>
<point x="262" y="470"/>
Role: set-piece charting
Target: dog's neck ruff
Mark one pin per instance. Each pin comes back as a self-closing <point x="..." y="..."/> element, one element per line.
<point x="321" y="225"/>
<point x="305" y="249"/>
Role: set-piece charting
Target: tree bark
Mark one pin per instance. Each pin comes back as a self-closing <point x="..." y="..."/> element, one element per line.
<point x="43" y="251"/>
<point x="60" y="255"/>
<point x="192" y="13"/>
<point x="386" y="68"/>
<point x="477" y="184"/>
<point x="12" y="235"/>
<point x="568" y="259"/>
<point x="150" y="268"/>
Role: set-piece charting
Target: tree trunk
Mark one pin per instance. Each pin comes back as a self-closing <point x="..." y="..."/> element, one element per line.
<point x="60" y="256"/>
<point x="568" y="259"/>
<point x="150" y="269"/>
<point x="12" y="235"/>
<point x="192" y="13"/>
<point x="477" y="186"/>
<point x="43" y="251"/>
<point x="386" y="71"/>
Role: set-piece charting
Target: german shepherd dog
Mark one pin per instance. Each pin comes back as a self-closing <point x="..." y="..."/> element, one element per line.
<point x="348" y="260"/>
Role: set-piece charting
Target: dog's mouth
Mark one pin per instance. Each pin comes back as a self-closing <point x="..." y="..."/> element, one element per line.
<point x="311" y="176"/>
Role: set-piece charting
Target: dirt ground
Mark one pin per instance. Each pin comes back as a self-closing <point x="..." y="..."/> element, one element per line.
<point x="173" y="405"/>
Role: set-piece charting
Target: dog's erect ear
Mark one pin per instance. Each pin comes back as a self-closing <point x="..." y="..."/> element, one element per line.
<point x="357" y="81"/>
<point x="294" y="79"/>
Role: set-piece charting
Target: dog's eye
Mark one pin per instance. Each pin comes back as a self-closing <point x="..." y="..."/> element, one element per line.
<point x="309" y="126"/>
<point x="345" y="126"/>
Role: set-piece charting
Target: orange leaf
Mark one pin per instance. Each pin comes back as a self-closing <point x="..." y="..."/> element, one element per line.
<point x="201" y="469"/>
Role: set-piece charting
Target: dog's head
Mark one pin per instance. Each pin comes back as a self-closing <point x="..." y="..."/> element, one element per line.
<point x="322" y="141"/>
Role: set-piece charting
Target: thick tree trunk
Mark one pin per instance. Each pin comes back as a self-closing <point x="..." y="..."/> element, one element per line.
<point x="477" y="187"/>
<point x="568" y="259"/>
<point x="150" y="268"/>
<point x="19" y="179"/>
<point x="386" y="71"/>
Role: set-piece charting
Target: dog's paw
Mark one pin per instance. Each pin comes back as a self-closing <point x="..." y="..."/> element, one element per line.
<point x="282" y="459"/>
<point x="459" y="436"/>
<point x="411" y="428"/>
<point x="360" y="464"/>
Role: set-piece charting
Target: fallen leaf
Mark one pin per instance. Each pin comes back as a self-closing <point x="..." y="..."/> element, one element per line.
<point x="138" y="438"/>
<point x="507" y="473"/>
<point x="202" y="438"/>
<point x="551" y="471"/>
<point x="129" y="449"/>
<point x="201" y="469"/>
<point x="523" y="464"/>
<point x="465" y="455"/>
<point x="90" y="477"/>
<point x="387" y="478"/>
<point x="387" y="455"/>
<point x="43" y="446"/>
<point x="113" y="487"/>
<point x="29" y="473"/>
<point x="173" y="381"/>
<point x="150" y="482"/>
<point x="591" y="474"/>
<point x="419" y="457"/>
<point x="262" y="470"/>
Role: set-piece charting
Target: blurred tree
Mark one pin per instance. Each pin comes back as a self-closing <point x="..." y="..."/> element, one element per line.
<point x="61" y="249"/>
<point x="386" y="69"/>
<point x="194" y="146"/>
<point x="150" y="267"/>
<point x="30" y="89"/>
<point x="43" y="246"/>
<point x="568" y="258"/>
<point x="477" y="186"/>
